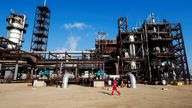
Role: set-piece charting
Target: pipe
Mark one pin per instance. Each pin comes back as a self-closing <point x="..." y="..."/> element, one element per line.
<point x="117" y="68"/>
<point x="16" y="71"/>
<point x="45" y="1"/>
<point x="66" y="79"/>
<point x="61" y="67"/>
<point x="63" y="52"/>
<point x="132" y="80"/>
<point x="132" y="45"/>
<point x="132" y="51"/>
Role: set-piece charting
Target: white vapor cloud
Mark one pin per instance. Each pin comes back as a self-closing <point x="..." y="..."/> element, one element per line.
<point x="77" y="25"/>
<point x="72" y="43"/>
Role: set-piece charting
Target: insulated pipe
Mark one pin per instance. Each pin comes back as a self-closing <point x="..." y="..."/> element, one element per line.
<point x="132" y="80"/>
<point x="45" y="1"/>
<point x="132" y="45"/>
<point x="16" y="71"/>
<point x="61" y="67"/>
<point x="66" y="79"/>
<point x="117" y="68"/>
<point x="132" y="51"/>
<point x="63" y="52"/>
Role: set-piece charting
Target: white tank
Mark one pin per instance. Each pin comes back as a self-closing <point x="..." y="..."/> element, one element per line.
<point x="16" y="29"/>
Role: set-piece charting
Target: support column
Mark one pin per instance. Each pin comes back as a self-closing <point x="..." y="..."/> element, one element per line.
<point x="76" y="71"/>
<point x="32" y="69"/>
<point x="16" y="71"/>
<point x="61" y="67"/>
<point x="116" y="68"/>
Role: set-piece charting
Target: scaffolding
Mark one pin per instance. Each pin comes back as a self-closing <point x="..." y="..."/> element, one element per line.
<point x="40" y="29"/>
<point x="130" y="49"/>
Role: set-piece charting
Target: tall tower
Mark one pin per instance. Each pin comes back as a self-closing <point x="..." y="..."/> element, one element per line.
<point x="41" y="29"/>
<point x="16" y="29"/>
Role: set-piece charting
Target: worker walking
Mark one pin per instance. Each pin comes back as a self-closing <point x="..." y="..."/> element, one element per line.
<point x="115" y="87"/>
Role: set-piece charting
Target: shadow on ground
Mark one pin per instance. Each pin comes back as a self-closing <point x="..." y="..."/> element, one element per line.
<point x="105" y="92"/>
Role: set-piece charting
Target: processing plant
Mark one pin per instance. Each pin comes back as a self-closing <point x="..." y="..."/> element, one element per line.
<point x="153" y="52"/>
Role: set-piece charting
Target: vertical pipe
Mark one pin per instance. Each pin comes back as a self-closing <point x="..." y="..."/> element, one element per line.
<point x="104" y="67"/>
<point x="142" y="46"/>
<point x="32" y="69"/>
<point x="132" y="51"/>
<point x="66" y="79"/>
<point x="132" y="80"/>
<point x="147" y="52"/>
<point x="132" y="45"/>
<point x="76" y="71"/>
<point x="61" y="67"/>
<point x="16" y="70"/>
<point x="45" y="1"/>
<point x="117" y="68"/>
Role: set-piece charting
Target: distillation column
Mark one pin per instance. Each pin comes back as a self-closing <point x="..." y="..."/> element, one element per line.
<point x="16" y="29"/>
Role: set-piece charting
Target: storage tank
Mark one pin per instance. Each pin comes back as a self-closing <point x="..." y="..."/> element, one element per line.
<point x="16" y="29"/>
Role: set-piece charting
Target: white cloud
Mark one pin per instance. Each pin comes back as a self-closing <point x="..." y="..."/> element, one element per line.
<point x="72" y="43"/>
<point x="76" y="25"/>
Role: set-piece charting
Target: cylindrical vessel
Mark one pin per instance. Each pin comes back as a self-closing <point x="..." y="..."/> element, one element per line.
<point x="16" y="29"/>
<point x="132" y="45"/>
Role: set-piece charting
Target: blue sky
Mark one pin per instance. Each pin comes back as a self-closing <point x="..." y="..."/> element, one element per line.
<point x="74" y="23"/>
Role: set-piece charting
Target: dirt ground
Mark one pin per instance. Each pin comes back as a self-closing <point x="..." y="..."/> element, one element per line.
<point x="144" y="96"/>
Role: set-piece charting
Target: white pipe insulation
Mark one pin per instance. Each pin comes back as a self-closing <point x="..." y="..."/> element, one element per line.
<point x="66" y="79"/>
<point x="132" y="80"/>
<point x="132" y="45"/>
<point x="132" y="51"/>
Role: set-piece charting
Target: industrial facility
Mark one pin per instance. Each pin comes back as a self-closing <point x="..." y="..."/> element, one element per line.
<point x="153" y="52"/>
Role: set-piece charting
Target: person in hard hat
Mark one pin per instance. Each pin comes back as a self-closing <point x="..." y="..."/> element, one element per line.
<point x="115" y="87"/>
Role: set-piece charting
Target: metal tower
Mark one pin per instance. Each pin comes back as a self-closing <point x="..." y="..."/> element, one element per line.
<point x="130" y="48"/>
<point x="41" y="29"/>
<point x="180" y="60"/>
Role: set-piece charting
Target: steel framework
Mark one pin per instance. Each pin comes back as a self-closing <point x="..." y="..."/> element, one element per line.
<point x="159" y="51"/>
<point x="41" y="29"/>
<point x="130" y="61"/>
<point x="153" y="52"/>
